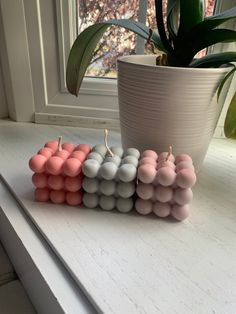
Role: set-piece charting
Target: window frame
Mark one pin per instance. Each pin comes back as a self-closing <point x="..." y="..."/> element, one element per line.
<point x="46" y="30"/>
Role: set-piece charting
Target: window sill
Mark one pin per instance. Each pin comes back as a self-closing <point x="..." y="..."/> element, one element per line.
<point x="127" y="263"/>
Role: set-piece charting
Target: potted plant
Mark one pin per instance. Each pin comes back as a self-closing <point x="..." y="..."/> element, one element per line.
<point x="166" y="99"/>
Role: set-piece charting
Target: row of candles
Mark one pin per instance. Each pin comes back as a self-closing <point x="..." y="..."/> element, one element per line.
<point x="110" y="177"/>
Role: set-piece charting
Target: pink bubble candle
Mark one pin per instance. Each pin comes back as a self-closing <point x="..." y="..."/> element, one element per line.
<point x="46" y="152"/>
<point x="164" y="184"/>
<point x="73" y="184"/>
<point x="57" y="172"/>
<point x="74" y="198"/>
<point x="84" y="148"/>
<point x="56" y="182"/>
<point x="40" y="180"/>
<point x="52" y="144"/>
<point x="42" y="195"/>
<point x="37" y="163"/>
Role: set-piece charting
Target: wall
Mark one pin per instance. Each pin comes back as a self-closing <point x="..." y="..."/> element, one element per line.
<point x="3" y="102"/>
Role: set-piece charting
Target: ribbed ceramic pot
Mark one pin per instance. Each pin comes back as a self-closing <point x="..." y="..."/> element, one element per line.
<point x="163" y="106"/>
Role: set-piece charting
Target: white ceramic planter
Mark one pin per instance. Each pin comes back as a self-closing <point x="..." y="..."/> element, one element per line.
<point x="163" y="106"/>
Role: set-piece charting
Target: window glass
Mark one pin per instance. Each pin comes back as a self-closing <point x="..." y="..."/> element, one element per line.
<point x="116" y="41"/>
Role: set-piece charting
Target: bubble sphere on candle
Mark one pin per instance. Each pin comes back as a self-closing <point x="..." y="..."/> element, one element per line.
<point x="56" y="182"/>
<point x="107" y="202"/>
<point x="127" y="172"/>
<point x="115" y="159"/>
<point x="74" y="198"/>
<point x="90" y="168"/>
<point x="145" y="191"/>
<point x="143" y="207"/>
<point x="130" y="160"/>
<point x="73" y="184"/>
<point x="72" y="167"/>
<point x="101" y="149"/>
<point x="84" y="148"/>
<point x="153" y="199"/>
<point x="108" y="170"/>
<point x="63" y="154"/>
<point x="165" y="163"/>
<point x="172" y="202"/>
<point x="68" y="146"/>
<point x="161" y="209"/>
<point x="184" y="165"/>
<point x="90" y="185"/>
<point x="37" y="163"/>
<point x="183" y="196"/>
<point x="147" y="160"/>
<point x="124" y="205"/>
<point x="150" y="153"/>
<point x="133" y="152"/>
<point x="95" y="156"/>
<point x="163" y="194"/>
<point x="42" y="195"/>
<point x="58" y="197"/>
<point x="125" y="189"/>
<point x="54" y="165"/>
<point x="90" y="200"/>
<point x="40" y="180"/>
<point x="146" y="173"/>
<point x="180" y="212"/>
<point x="117" y="151"/>
<point x="46" y="152"/>
<point x="186" y="178"/>
<point x="52" y="144"/>
<point x="164" y="155"/>
<point x="183" y="157"/>
<point x="107" y="187"/>
<point x="165" y="176"/>
<point x="78" y="154"/>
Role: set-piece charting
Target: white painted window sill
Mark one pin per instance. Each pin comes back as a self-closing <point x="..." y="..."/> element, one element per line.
<point x="108" y="262"/>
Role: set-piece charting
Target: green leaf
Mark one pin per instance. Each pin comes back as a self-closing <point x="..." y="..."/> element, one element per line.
<point x="157" y="41"/>
<point x="214" y="60"/>
<point x="212" y="22"/>
<point x="172" y="17"/>
<point x="213" y="37"/>
<point x="224" y="81"/>
<point x="161" y="26"/>
<point x="191" y="13"/>
<point x="230" y="120"/>
<point x="82" y="50"/>
<point x="186" y="48"/>
<point x="170" y="5"/>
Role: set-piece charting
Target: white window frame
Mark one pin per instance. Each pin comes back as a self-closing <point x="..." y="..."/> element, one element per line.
<point x="41" y="32"/>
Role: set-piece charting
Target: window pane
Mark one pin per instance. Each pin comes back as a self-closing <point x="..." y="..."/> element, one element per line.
<point x="117" y="41"/>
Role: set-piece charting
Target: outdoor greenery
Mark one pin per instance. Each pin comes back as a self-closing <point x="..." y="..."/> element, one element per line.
<point x="185" y="32"/>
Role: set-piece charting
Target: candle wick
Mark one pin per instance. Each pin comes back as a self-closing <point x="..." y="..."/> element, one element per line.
<point x="59" y="147"/>
<point x="169" y="153"/>
<point x="106" y="143"/>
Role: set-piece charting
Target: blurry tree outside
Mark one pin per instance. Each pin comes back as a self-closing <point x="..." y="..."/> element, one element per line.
<point x="116" y="41"/>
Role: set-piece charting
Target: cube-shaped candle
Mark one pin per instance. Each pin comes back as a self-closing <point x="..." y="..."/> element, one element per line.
<point x="57" y="172"/>
<point x="164" y="184"/>
<point x="110" y="177"/>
